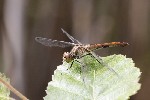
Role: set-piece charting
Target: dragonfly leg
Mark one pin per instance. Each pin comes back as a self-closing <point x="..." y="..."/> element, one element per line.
<point x="82" y="65"/>
<point x="76" y="61"/>
<point x="82" y="69"/>
<point x="71" y="63"/>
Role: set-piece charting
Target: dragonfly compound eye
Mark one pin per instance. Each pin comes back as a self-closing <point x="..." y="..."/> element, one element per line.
<point x="67" y="57"/>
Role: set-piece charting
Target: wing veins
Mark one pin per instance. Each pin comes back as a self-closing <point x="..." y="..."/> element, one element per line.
<point x="70" y="37"/>
<point x="53" y="43"/>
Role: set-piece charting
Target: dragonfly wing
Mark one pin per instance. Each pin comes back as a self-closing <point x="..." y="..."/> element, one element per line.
<point x="103" y="64"/>
<point x="70" y="37"/>
<point x="50" y="42"/>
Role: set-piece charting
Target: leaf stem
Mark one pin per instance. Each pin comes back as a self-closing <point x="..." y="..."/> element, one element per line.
<point x="10" y="87"/>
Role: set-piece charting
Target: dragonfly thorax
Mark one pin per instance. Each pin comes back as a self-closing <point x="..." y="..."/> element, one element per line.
<point x="78" y="50"/>
<point x="75" y="53"/>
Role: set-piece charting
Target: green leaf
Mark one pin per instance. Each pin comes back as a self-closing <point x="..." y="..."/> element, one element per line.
<point x="4" y="91"/>
<point x="95" y="81"/>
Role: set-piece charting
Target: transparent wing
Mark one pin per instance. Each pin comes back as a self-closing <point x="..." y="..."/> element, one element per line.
<point x="70" y="37"/>
<point x="50" y="42"/>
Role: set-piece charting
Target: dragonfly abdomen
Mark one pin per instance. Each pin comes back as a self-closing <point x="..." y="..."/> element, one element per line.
<point x="93" y="47"/>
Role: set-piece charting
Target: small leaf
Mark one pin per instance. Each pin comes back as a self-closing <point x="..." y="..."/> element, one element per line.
<point x="95" y="81"/>
<point x="4" y="91"/>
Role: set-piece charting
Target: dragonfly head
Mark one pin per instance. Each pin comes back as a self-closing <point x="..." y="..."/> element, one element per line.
<point x="67" y="57"/>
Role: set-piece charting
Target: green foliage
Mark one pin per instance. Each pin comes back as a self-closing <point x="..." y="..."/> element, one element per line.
<point x="4" y="91"/>
<point x="95" y="81"/>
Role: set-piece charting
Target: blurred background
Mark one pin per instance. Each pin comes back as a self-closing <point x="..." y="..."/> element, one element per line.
<point x="30" y="64"/>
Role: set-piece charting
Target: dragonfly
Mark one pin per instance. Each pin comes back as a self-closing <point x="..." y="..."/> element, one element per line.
<point x="78" y="50"/>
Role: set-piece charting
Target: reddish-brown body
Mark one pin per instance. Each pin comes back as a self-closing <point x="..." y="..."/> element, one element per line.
<point x="78" y="50"/>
